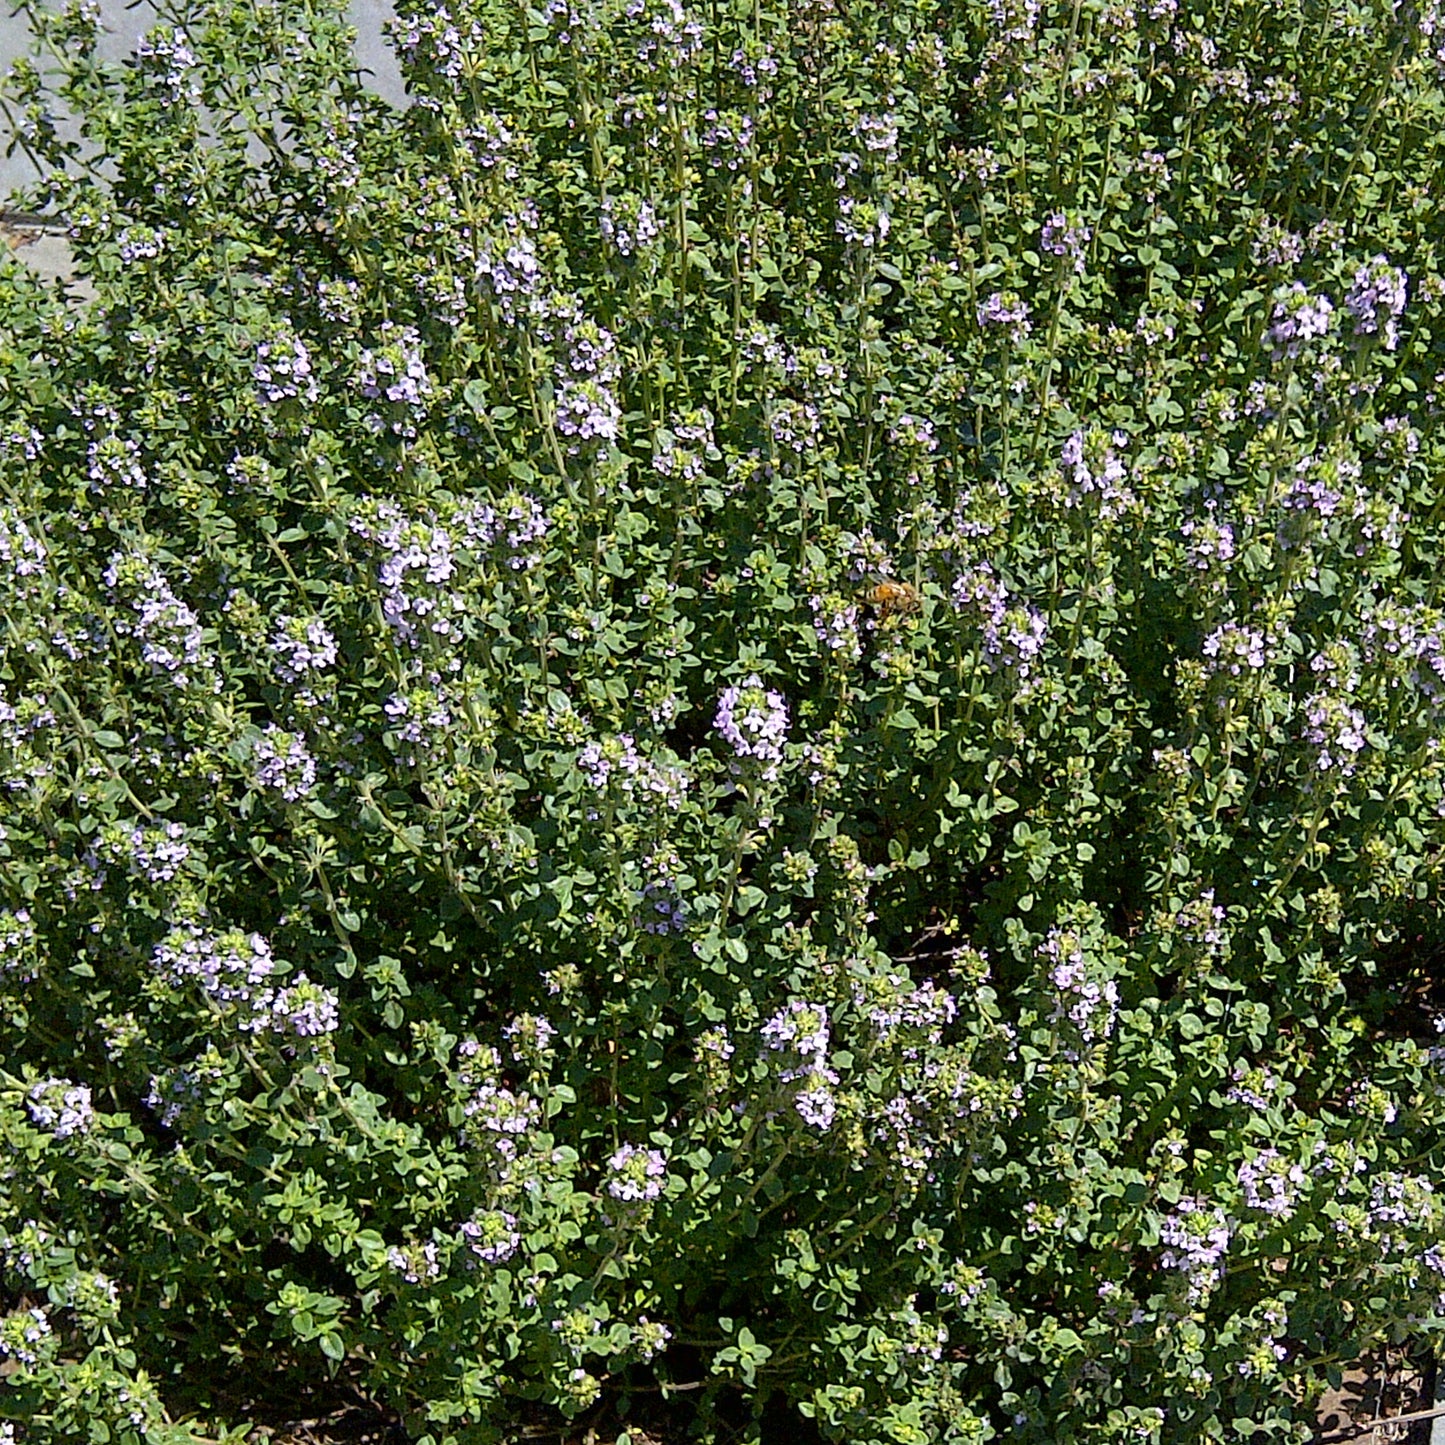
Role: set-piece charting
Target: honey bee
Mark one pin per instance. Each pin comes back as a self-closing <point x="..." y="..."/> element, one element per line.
<point x="893" y="599"/>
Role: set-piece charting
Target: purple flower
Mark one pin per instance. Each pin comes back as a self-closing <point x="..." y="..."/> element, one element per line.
<point x="172" y="1093"/>
<point x="303" y="1010"/>
<point x="878" y="135"/>
<point x="229" y="967"/>
<point x="753" y="721"/>
<point x="617" y="759"/>
<point x="508" y="267"/>
<point x="21" y="1333"/>
<point x="900" y="1128"/>
<point x="662" y="911"/>
<point x="1201" y="923"/>
<point x="1195" y="1238"/>
<point x="1410" y="640"/>
<point x="835" y="624"/>
<point x="1092" y="468"/>
<point x="395" y="372"/>
<point x="795" y="426"/>
<point x="1013" y="635"/>
<point x="587" y="410"/>
<point x="800" y="1028"/>
<point x="282" y="368"/>
<point x="491" y="1236"/>
<point x="156" y="854"/>
<point x="637" y="1174"/>
<point x="283" y="763"/>
<point x="1209" y="542"/>
<point x="1007" y="311"/>
<point x="1298" y="318"/>
<point x="862" y="223"/>
<point x="60" y="1106"/>
<point x="166" y="58"/>
<point x="1336" y="730"/>
<point x="728" y="136"/>
<point x="672" y="37"/>
<point x="168" y="631"/>
<point x="22" y="554"/>
<point x="815" y="1102"/>
<point x="1231" y="648"/>
<point x="1377" y="301"/>
<point x="499" y="1111"/>
<point x="1271" y="1183"/>
<point x="1066" y="238"/>
<point x="434" y="40"/>
<point x="18" y="962"/>
<point x="1088" y="1003"/>
<point x="114" y="462"/>
<point x="415" y="1263"/>
<point x="628" y="224"/>
<point x="1254" y="1088"/>
<point x="1014" y="20"/>
<point x="684" y="446"/>
<point x="418" y="560"/>
<point x="511" y="528"/>
<point x="421" y="714"/>
<point x="301" y="647"/>
<point x="530" y="1036"/>
<point x="648" y="1338"/>
<point x="139" y="243"/>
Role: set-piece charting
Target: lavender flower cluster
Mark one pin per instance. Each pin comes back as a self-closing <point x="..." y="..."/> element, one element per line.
<point x="283" y="763"/>
<point x="1093" y="468"/>
<point x="22" y="556"/>
<point x="282" y="369"/>
<point x="753" y="721"/>
<point x="628" y="224"/>
<point x="167" y="60"/>
<point x="1006" y="311"/>
<point x="421" y="714"/>
<point x="1012" y="635"/>
<point x="60" y="1107"/>
<point x="638" y="1174"/>
<point x="1271" y="1183"/>
<point x="301" y="647"/>
<point x="799" y="1032"/>
<point x="587" y="408"/>
<point x="663" y="911"/>
<point x="491" y="1236"/>
<point x="1196" y="1238"/>
<point x="157" y="853"/>
<point x="170" y="635"/>
<point x="229" y="967"/>
<point x="302" y="1010"/>
<point x="1231" y="649"/>
<point x="1336" y="730"/>
<point x="395" y="371"/>
<point x="434" y="40"/>
<point x="1067" y="238"/>
<point x="415" y="1263"/>
<point x="639" y="778"/>
<point x="23" y="1334"/>
<point x="19" y="959"/>
<point x="836" y="623"/>
<point x="114" y="461"/>
<point x="1299" y="317"/>
<point x="422" y="547"/>
<point x="1088" y="1003"/>
<point x="1377" y="301"/>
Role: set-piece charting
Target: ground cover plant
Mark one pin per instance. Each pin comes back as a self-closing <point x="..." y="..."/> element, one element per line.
<point x="746" y="713"/>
